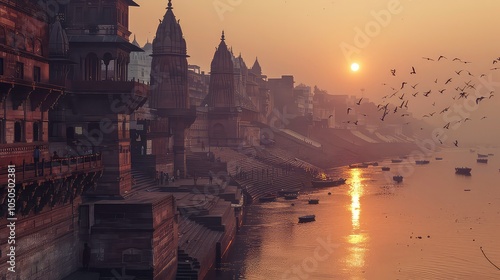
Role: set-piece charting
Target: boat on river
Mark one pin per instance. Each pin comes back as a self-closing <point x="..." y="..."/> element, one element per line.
<point x="307" y="218"/>
<point x="319" y="183"/>
<point x="463" y="171"/>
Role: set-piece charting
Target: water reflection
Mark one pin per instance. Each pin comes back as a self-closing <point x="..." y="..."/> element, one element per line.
<point x="356" y="257"/>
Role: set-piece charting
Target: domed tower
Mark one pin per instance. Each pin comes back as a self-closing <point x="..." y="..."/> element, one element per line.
<point x="169" y="96"/>
<point x="58" y="53"/>
<point x="169" y="67"/>
<point x="221" y="88"/>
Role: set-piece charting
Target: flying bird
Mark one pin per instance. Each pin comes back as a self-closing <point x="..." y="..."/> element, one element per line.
<point x="479" y="99"/>
<point x="426" y="94"/>
<point x="403" y="85"/>
<point x="414" y="86"/>
<point x="413" y="70"/>
<point x="359" y="102"/>
<point x="455" y="143"/>
<point x="447" y="126"/>
<point x="348" y="109"/>
<point x="440" y="57"/>
<point x="441" y="91"/>
<point x="448" y="81"/>
<point x="427" y="58"/>
<point x="393" y="72"/>
<point x="330" y="116"/>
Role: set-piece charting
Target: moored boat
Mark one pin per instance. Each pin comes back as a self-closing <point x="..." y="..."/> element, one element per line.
<point x="482" y="156"/>
<point x="313" y="201"/>
<point x="420" y="162"/>
<point x="396" y="160"/>
<point x="491" y="154"/>
<point x="386" y="168"/>
<point x="463" y="170"/>
<point x="439" y="158"/>
<point x="362" y="165"/>
<point x="307" y="218"/>
<point x="482" y="160"/>
<point x="291" y="195"/>
<point x="398" y="178"/>
<point x="327" y="182"/>
<point x="267" y="197"/>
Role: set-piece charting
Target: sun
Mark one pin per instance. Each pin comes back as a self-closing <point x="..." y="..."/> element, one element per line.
<point x="354" y="67"/>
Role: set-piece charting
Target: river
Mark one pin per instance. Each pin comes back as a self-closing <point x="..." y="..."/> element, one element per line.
<point x="431" y="226"/>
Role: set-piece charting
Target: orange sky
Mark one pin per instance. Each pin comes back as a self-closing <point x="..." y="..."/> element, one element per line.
<point x="304" y="38"/>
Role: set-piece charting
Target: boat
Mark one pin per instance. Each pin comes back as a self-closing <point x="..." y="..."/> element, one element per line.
<point x="362" y="165"/>
<point x="463" y="170"/>
<point x="307" y="218"/>
<point x="327" y="182"/>
<point x="482" y="160"/>
<point x="373" y="163"/>
<point x="267" y="197"/>
<point x="491" y="154"/>
<point x="385" y="168"/>
<point x="439" y="158"/>
<point x="291" y="196"/>
<point x="398" y="178"/>
<point x="313" y="201"/>
<point x="396" y="160"/>
<point x="420" y="162"/>
<point x="482" y="156"/>
<point x="284" y="192"/>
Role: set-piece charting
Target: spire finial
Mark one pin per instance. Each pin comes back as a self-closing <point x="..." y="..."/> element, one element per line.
<point x="169" y="5"/>
<point x="222" y="38"/>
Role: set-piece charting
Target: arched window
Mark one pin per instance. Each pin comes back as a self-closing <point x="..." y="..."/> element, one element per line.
<point x="20" y="41"/>
<point x="108" y="67"/>
<point x="18" y="132"/>
<point x="29" y="45"/>
<point x="36" y="131"/>
<point x="91" y="71"/>
<point x="38" y="47"/>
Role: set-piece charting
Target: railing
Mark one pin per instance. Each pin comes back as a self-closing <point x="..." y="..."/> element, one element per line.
<point x="54" y="167"/>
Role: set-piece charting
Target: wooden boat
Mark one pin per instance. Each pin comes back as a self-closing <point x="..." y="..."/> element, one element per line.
<point x="420" y="162"/>
<point x="482" y="160"/>
<point x="327" y="182"/>
<point x="463" y="171"/>
<point x="284" y="192"/>
<point x="398" y="178"/>
<point x="362" y="165"/>
<point x="291" y="196"/>
<point x="307" y="218"/>
<point x="491" y="154"/>
<point x="313" y="201"/>
<point x="439" y="158"/>
<point x="385" y="168"/>
<point x="268" y="197"/>
<point x="482" y="156"/>
<point x="396" y="160"/>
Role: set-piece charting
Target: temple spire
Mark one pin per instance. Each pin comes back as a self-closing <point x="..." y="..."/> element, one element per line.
<point x="169" y="7"/>
<point x="223" y="38"/>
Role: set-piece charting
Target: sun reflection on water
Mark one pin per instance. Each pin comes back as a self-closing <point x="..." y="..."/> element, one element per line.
<point x="356" y="257"/>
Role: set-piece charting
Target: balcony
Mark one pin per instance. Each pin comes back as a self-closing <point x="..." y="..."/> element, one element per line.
<point x="54" y="169"/>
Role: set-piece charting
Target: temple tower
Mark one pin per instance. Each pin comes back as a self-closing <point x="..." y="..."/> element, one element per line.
<point x="169" y="94"/>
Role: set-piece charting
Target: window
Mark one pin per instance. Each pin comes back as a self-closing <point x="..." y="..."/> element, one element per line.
<point x="38" y="47"/>
<point x="1" y="66"/>
<point x="29" y="45"/>
<point x="18" y="131"/>
<point x="36" y="74"/>
<point x="19" y="74"/>
<point x="91" y="67"/>
<point x="20" y="41"/>
<point x="36" y="131"/>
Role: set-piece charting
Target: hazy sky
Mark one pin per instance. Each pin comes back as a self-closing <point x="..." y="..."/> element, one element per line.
<point x="317" y="40"/>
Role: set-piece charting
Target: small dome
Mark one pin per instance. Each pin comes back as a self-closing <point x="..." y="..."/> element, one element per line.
<point x="58" y="41"/>
<point x="169" y="38"/>
<point x="223" y="59"/>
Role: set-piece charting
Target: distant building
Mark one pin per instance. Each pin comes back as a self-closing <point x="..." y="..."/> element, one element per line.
<point x="198" y="82"/>
<point x="303" y="99"/>
<point x="282" y="92"/>
<point x="139" y="67"/>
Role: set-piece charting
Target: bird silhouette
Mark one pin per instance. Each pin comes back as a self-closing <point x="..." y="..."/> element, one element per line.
<point x="413" y="70"/>
<point x="393" y="72"/>
<point x="448" y="81"/>
<point x="330" y="116"/>
<point x="479" y="99"/>
<point x="427" y="58"/>
<point x="441" y="91"/>
<point x="483" y="118"/>
<point x="458" y="72"/>
<point x="447" y="126"/>
<point x="359" y="102"/>
<point x="426" y="94"/>
<point x="441" y="57"/>
<point x="414" y="86"/>
<point x="348" y="109"/>
<point x="401" y="97"/>
<point x="455" y="143"/>
<point x="403" y="85"/>
<point x="415" y="94"/>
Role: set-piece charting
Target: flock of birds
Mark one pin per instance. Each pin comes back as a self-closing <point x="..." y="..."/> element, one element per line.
<point x="459" y="84"/>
